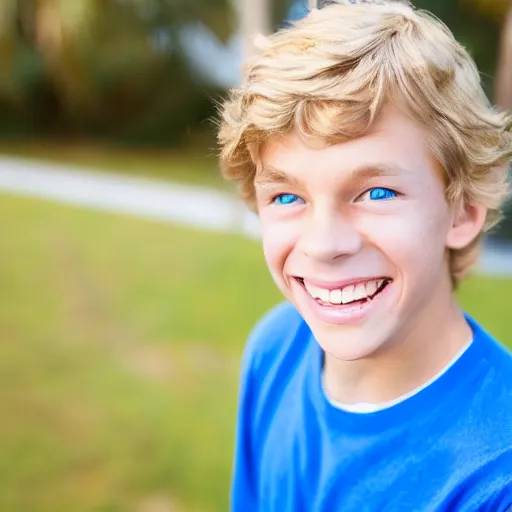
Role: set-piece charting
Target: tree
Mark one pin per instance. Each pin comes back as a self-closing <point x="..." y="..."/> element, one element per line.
<point x="503" y="96"/>
<point x="111" y="68"/>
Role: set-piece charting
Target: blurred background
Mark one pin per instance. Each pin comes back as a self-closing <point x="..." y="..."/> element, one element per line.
<point x="129" y="275"/>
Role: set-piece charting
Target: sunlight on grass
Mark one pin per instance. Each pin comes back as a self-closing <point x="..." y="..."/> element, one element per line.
<point x="119" y="361"/>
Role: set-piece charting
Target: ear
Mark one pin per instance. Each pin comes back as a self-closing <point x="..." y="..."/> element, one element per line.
<point x="468" y="223"/>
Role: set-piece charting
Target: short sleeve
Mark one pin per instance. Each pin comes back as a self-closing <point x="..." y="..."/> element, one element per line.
<point x="262" y="351"/>
<point x="244" y="486"/>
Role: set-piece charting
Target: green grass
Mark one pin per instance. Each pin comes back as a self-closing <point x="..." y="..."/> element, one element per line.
<point x="119" y="358"/>
<point x="195" y="168"/>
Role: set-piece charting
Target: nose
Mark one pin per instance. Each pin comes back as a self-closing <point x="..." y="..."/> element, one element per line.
<point x="327" y="234"/>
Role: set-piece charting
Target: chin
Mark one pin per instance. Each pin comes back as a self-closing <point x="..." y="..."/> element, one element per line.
<point x="348" y="343"/>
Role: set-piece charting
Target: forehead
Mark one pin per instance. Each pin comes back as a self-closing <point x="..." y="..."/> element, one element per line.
<point x="396" y="142"/>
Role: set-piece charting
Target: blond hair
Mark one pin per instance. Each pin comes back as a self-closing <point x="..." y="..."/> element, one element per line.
<point x="330" y="75"/>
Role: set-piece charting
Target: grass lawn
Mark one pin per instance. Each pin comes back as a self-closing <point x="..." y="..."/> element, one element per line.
<point x="119" y="358"/>
<point x="196" y="168"/>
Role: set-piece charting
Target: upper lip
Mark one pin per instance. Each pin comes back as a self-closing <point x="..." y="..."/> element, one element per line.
<point x="338" y="285"/>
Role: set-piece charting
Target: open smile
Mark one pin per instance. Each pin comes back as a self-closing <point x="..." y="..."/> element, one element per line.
<point x="357" y="292"/>
<point x="344" y="303"/>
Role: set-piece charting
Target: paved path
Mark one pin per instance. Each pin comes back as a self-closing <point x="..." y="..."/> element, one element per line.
<point x="195" y="207"/>
<point x="145" y="198"/>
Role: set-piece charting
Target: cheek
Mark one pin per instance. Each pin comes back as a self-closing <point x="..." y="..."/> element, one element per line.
<point x="278" y="239"/>
<point x="414" y="239"/>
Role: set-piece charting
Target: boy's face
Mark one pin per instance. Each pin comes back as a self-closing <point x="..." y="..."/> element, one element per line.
<point x="355" y="234"/>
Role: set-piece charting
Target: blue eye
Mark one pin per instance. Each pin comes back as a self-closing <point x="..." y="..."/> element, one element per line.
<point x="286" y="199"/>
<point x="379" y="194"/>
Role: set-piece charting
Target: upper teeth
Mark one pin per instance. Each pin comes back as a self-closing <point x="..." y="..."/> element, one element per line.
<point x="350" y="293"/>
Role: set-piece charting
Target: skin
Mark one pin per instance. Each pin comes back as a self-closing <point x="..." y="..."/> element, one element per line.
<point x="330" y="227"/>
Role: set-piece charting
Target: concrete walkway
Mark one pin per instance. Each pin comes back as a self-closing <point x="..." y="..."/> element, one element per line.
<point x="189" y="206"/>
<point x="145" y="198"/>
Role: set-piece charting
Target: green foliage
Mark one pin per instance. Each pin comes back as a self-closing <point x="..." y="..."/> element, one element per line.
<point x="504" y="230"/>
<point x="93" y="68"/>
<point x="479" y="34"/>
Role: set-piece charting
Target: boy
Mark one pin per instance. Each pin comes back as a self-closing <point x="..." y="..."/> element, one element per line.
<point x="364" y="141"/>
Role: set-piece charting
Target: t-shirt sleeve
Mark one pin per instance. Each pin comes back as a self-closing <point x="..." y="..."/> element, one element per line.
<point x="502" y="473"/>
<point x="505" y="502"/>
<point x="494" y="490"/>
<point x="244" y="495"/>
<point x="260" y="351"/>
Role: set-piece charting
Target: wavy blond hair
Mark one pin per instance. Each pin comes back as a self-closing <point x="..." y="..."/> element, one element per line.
<point x="330" y="76"/>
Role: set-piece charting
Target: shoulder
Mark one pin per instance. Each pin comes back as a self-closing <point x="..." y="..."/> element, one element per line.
<point x="282" y="323"/>
<point x="492" y="397"/>
<point x="499" y="359"/>
<point x="274" y="334"/>
<point x="494" y="487"/>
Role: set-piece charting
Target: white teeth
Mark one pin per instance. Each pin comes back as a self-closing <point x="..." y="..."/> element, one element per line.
<point x="360" y="292"/>
<point x="324" y="295"/>
<point x="351" y="293"/>
<point x="317" y="293"/>
<point x="312" y="290"/>
<point x="335" y="297"/>
<point x="371" y="288"/>
<point x="348" y="294"/>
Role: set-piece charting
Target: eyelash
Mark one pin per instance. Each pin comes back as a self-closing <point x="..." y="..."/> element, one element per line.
<point x="387" y="193"/>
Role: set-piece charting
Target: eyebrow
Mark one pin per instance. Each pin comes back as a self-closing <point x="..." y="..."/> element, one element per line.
<point x="375" y="171"/>
<point x="268" y="175"/>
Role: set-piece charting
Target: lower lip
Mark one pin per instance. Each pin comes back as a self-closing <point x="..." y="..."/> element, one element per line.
<point x="344" y="314"/>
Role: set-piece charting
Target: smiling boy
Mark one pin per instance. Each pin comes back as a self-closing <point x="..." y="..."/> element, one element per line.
<point x="364" y="141"/>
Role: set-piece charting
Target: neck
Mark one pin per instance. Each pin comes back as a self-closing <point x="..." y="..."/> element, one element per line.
<point x="403" y="364"/>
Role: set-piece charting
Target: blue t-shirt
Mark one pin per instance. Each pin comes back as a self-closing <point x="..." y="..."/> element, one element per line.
<point x="447" y="448"/>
